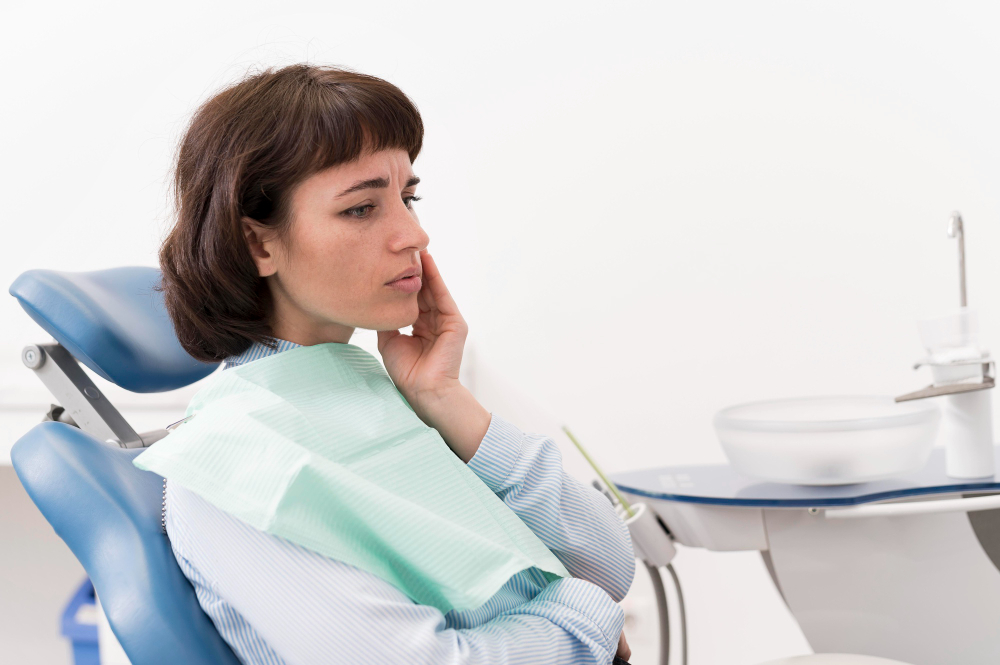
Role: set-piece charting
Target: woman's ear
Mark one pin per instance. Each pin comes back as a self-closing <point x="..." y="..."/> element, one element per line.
<point x="261" y="243"/>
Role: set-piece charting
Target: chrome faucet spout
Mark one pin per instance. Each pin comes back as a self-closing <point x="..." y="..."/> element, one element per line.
<point x="956" y="230"/>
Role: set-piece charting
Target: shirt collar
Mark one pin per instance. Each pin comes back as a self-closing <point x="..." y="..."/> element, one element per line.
<point x="259" y="350"/>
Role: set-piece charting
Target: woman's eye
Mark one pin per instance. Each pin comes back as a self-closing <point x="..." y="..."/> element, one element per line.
<point x="360" y="212"/>
<point x="363" y="212"/>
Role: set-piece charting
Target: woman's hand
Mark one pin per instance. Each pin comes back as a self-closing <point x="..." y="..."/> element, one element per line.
<point x="425" y="365"/>
<point x="623" y="650"/>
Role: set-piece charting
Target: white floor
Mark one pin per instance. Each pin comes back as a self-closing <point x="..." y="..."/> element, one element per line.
<point x="38" y="574"/>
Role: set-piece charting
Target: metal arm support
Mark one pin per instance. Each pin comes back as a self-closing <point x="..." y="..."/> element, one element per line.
<point x="74" y="390"/>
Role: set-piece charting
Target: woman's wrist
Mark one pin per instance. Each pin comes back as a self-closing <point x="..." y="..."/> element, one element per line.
<point x="457" y="416"/>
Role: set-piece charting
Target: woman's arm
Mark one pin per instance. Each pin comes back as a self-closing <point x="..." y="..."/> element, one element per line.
<point x="575" y="521"/>
<point x="276" y="602"/>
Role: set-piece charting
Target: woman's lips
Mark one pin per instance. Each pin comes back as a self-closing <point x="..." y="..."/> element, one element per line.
<point x="407" y="284"/>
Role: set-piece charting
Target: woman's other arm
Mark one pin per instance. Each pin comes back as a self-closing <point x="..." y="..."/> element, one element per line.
<point x="575" y="521"/>
<point x="276" y="602"/>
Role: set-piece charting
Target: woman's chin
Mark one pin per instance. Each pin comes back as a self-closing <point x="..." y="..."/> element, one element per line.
<point x="403" y="317"/>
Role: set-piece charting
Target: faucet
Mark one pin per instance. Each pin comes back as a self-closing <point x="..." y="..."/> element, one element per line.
<point x="961" y="372"/>
<point x="955" y="230"/>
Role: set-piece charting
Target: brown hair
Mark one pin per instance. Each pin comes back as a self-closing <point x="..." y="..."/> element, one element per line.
<point x="243" y="154"/>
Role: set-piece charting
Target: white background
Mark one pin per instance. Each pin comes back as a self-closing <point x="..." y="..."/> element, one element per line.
<point x="646" y="211"/>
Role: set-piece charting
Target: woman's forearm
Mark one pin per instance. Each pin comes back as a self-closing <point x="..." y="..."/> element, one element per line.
<point x="575" y="521"/>
<point x="457" y="416"/>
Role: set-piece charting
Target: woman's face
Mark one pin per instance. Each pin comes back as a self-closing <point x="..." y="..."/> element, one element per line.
<point x="353" y="230"/>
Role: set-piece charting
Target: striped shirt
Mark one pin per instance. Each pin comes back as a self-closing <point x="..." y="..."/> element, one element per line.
<point x="276" y="602"/>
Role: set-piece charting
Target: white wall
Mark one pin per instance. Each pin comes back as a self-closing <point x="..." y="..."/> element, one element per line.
<point x="647" y="211"/>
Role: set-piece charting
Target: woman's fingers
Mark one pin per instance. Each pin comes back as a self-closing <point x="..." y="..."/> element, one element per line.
<point x="438" y="292"/>
<point x="423" y="296"/>
<point x="624" y="652"/>
<point x="425" y="300"/>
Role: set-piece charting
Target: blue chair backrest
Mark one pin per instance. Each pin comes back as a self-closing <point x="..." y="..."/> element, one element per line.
<point x="106" y="509"/>
<point x="108" y="512"/>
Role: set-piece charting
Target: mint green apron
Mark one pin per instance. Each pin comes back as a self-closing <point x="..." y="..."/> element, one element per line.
<point x="316" y="445"/>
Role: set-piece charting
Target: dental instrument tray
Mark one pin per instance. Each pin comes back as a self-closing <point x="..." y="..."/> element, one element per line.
<point x="722" y="485"/>
<point x="832" y="440"/>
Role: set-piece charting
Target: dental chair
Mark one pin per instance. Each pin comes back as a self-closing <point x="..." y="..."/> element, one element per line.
<point x="76" y="465"/>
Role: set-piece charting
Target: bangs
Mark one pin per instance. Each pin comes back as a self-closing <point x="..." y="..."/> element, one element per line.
<point x="312" y="118"/>
<point x="368" y="116"/>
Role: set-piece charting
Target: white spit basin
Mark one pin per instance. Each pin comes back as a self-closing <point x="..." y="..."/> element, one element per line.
<point x="828" y="440"/>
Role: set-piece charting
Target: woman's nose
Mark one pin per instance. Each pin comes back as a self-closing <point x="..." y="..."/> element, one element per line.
<point x="409" y="234"/>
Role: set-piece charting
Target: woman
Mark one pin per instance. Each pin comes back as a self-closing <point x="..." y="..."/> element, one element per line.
<point x="295" y="190"/>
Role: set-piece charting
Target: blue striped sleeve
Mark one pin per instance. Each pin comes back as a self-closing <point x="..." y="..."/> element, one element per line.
<point x="574" y="520"/>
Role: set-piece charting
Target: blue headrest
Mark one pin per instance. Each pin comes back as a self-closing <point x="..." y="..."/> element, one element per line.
<point x="108" y="512"/>
<point x="114" y="323"/>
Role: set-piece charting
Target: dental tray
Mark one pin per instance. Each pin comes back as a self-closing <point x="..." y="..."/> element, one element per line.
<point x="721" y="485"/>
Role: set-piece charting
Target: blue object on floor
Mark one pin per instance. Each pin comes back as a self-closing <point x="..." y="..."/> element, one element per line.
<point x="82" y="635"/>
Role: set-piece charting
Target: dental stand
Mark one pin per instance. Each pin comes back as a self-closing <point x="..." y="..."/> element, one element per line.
<point x="906" y="567"/>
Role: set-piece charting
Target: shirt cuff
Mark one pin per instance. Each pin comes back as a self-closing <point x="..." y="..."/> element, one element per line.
<point x="497" y="453"/>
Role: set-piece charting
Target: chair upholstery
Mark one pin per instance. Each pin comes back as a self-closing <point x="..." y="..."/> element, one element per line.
<point x="114" y="322"/>
<point x="108" y="512"/>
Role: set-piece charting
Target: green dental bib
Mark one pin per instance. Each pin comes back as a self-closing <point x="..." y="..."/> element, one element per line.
<point x="316" y="445"/>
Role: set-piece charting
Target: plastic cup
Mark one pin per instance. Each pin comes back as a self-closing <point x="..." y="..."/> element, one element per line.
<point x="953" y="331"/>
